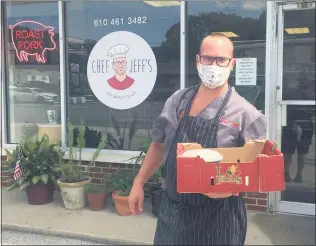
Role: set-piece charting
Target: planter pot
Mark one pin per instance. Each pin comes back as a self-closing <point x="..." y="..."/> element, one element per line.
<point x="156" y="197"/>
<point x="73" y="194"/>
<point x="40" y="193"/>
<point x="121" y="204"/>
<point x="96" y="201"/>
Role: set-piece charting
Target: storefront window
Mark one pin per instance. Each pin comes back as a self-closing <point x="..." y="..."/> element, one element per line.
<point x="32" y="68"/>
<point x="245" y="23"/>
<point x="123" y="63"/>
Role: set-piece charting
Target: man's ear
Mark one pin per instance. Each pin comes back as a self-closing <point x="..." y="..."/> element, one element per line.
<point x="197" y="58"/>
<point x="232" y="64"/>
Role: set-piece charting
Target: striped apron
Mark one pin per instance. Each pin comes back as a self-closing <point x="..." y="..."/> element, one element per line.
<point x="195" y="219"/>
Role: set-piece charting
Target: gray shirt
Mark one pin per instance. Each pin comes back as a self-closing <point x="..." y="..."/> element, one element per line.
<point x="240" y="123"/>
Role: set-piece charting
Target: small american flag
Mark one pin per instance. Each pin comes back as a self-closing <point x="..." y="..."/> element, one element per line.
<point x="18" y="171"/>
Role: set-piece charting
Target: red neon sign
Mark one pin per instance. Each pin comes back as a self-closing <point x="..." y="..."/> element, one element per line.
<point x="30" y="42"/>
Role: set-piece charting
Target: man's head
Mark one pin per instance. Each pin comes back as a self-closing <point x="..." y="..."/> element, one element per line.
<point x="119" y="65"/>
<point x="215" y="60"/>
<point x="118" y="53"/>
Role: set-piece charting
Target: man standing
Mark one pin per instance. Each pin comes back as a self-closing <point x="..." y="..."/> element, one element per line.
<point x="214" y="115"/>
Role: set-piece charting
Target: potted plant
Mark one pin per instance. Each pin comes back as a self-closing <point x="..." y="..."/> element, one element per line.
<point x="97" y="195"/>
<point x="73" y="181"/>
<point x="35" y="166"/>
<point x="156" y="191"/>
<point x="120" y="184"/>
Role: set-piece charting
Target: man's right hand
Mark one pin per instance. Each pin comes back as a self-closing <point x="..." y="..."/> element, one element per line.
<point x="136" y="199"/>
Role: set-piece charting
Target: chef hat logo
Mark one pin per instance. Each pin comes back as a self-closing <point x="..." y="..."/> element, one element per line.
<point x="118" y="50"/>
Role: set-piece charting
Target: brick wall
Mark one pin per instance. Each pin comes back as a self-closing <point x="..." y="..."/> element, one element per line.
<point x="4" y="172"/>
<point x="255" y="201"/>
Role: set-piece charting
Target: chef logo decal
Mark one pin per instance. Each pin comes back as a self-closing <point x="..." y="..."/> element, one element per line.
<point x="231" y="175"/>
<point x="120" y="81"/>
<point x="122" y="70"/>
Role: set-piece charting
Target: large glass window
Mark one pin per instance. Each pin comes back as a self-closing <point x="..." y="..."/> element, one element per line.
<point x="245" y="23"/>
<point x="32" y="69"/>
<point x="119" y="81"/>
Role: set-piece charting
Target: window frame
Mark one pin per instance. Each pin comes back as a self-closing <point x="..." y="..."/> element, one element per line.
<point x="3" y="109"/>
<point x="106" y="155"/>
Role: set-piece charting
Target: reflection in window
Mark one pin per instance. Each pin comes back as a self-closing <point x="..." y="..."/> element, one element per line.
<point x="299" y="55"/>
<point x="32" y="71"/>
<point x="87" y="23"/>
<point x="245" y="23"/>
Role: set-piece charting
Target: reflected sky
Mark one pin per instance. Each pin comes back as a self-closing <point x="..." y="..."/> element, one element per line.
<point x="82" y="14"/>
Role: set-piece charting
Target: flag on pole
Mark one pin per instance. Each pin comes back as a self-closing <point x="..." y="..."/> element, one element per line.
<point x="18" y="171"/>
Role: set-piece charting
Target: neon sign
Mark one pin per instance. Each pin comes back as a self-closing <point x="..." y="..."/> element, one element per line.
<point x="33" y="41"/>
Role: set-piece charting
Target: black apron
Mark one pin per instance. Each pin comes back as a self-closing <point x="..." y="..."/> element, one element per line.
<point x="195" y="219"/>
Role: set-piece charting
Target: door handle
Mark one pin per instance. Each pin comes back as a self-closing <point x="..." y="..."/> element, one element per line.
<point x="283" y="114"/>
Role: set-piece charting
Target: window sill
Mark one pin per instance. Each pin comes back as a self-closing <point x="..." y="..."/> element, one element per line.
<point x="111" y="156"/>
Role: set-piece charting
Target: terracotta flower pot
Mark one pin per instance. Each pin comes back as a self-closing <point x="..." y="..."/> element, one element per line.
<point x="96" y="201"/>
<point x="121" y="204"/>
<point x="40" y="193"/>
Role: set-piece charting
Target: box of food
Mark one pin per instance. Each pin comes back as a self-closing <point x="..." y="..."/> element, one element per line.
<point x="258" y="166"/>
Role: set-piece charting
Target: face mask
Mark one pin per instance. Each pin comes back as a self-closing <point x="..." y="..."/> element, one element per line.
<point x="213" y="76"/>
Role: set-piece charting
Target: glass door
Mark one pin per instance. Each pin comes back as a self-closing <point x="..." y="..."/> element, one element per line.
<point x="296" y="105"/>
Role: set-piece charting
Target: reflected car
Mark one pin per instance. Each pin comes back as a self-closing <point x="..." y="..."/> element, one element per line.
<point x="27" y="94"/>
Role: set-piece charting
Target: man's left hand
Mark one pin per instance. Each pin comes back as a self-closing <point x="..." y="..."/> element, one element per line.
<point x="221" y="195"/>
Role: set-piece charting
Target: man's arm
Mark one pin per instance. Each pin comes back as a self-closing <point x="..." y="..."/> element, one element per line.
<point x="150" y="164"/>
<point x="256" y="129"/>
<point x="154" y="155"/>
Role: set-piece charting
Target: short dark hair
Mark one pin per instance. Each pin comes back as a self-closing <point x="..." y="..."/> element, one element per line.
<point x="217" y="35"/>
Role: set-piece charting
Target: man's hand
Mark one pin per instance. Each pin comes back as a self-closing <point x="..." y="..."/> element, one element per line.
<point x="136" y="199"/>
<point x="221" y="195"/>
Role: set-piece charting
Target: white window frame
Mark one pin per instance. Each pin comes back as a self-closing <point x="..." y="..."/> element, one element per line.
<point x="273" y="100"/>
<point x="2" y="92"/>
<point x="106" y="155"/>
<point x="270" y="95"/>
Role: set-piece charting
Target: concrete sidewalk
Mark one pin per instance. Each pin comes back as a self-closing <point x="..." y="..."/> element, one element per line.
<point x="109" y="228"/>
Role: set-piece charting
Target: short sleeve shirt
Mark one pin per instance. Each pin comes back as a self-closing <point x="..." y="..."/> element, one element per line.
<point x="240" y="122"/>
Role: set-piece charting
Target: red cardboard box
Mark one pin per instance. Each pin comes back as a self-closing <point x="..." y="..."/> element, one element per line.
<point x="258" y="166"/>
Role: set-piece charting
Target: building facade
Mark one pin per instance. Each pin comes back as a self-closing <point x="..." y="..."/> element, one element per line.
<point x="61" y="62"/>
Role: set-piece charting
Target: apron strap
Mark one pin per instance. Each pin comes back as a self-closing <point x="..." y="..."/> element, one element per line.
<point x="221" y="110"/>
<point x="182" y="98"/>
<point x="188" y="106"/>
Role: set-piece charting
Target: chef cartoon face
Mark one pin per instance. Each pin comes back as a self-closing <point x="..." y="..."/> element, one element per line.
<point x="118" y="53"/>
<point x="119" y="65"/>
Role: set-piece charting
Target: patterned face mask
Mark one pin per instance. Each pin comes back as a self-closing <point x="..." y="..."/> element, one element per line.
<point x="213" y="76"/>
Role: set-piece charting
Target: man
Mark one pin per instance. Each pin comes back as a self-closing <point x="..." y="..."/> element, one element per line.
<point x="214" y="115"/>
<point x="120" y="81"/>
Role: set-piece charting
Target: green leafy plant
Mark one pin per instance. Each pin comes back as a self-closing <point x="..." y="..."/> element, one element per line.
<point x="120" y="181"/>
<point x="95" y="188"/>
<point x="71" y="167"/>
<point x="144" y="146"/>
<point x="29" y="130"/>
<point x="39" y="162"/>
<point x="117" y="141"/>
<point x="138" y="160"/>
<point x="92" y="137"/>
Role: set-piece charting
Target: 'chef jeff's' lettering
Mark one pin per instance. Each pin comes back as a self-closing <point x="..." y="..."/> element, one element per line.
<point x="134" y="65"/>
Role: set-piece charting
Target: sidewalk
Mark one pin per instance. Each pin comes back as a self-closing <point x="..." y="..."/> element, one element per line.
<point x="109" y="228"/>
